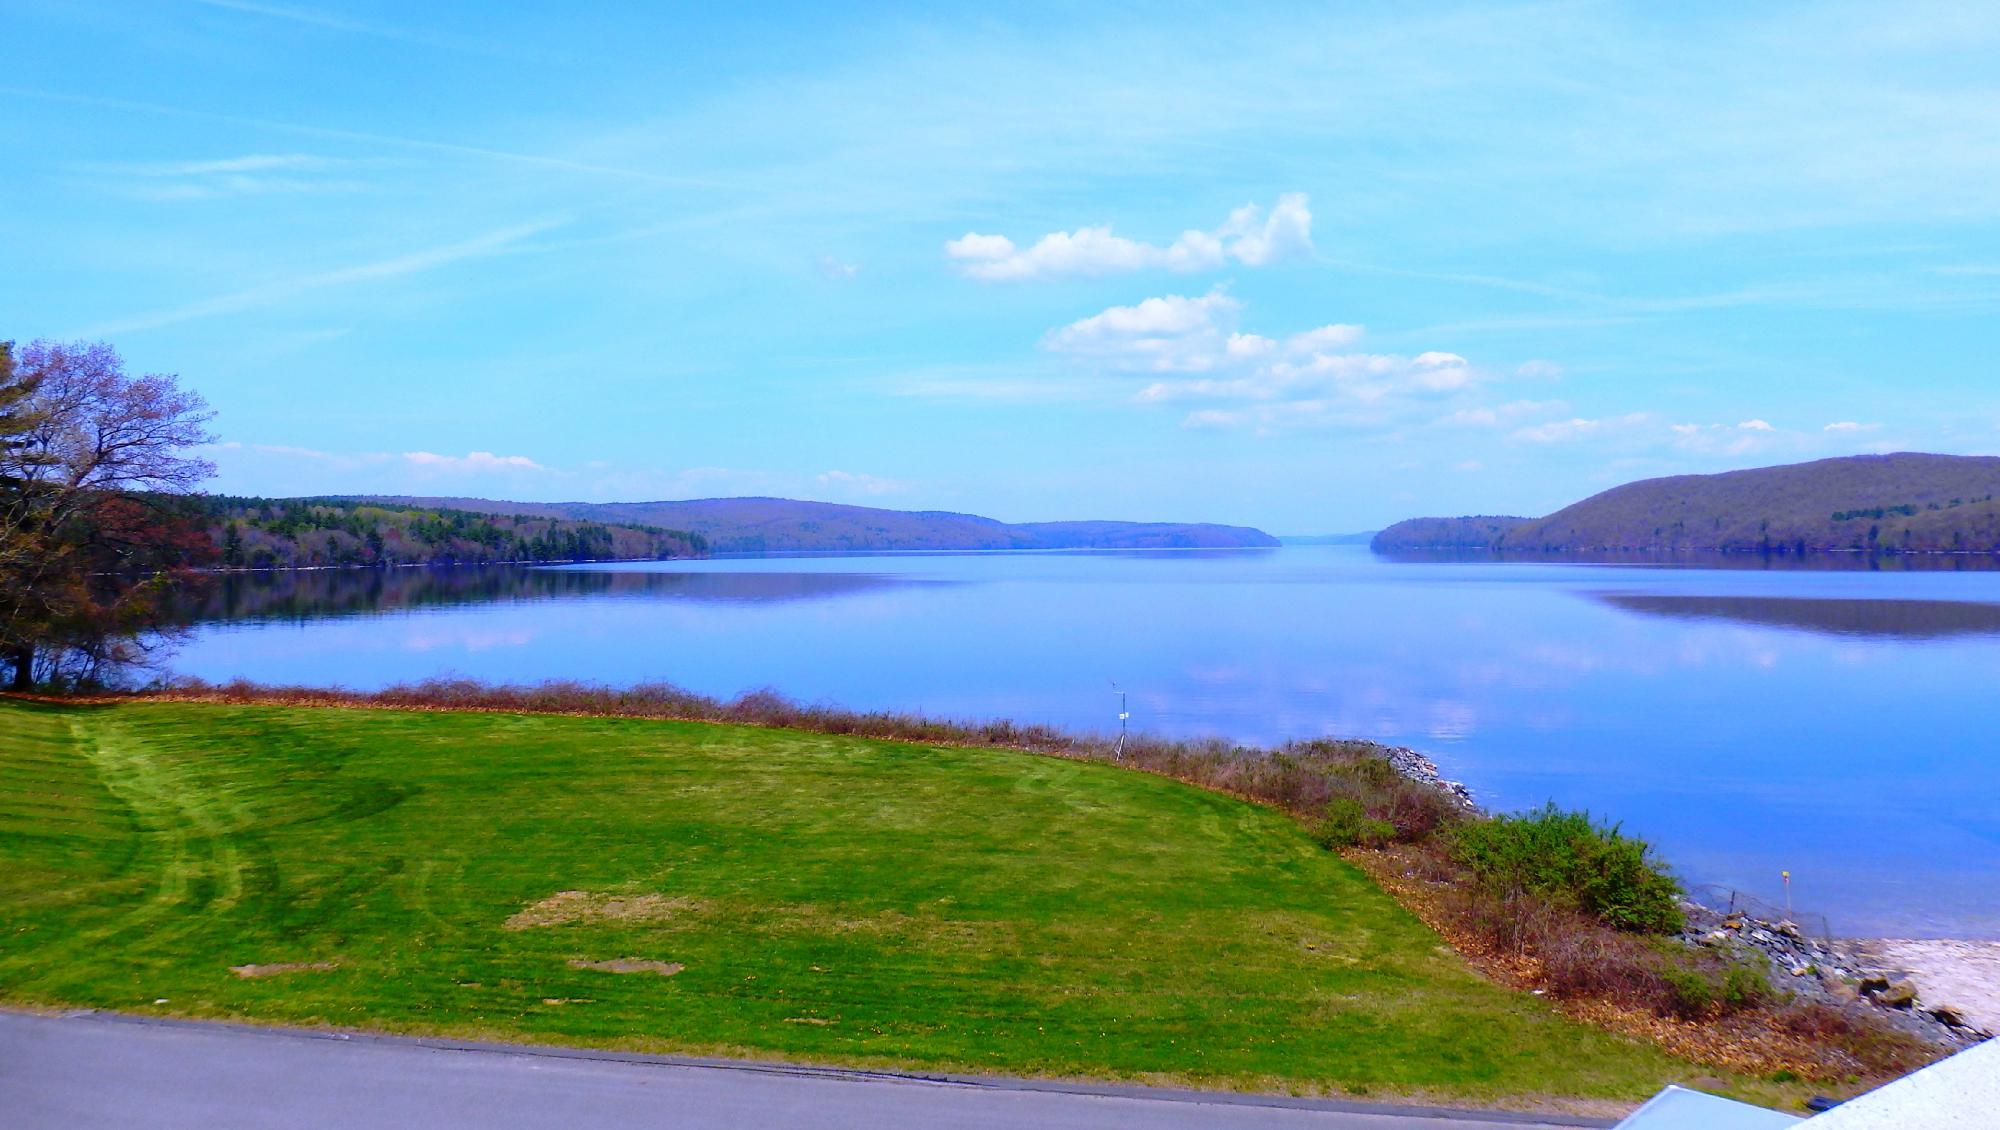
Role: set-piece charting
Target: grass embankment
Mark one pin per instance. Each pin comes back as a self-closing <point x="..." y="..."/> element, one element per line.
<point x="825" y="897"/>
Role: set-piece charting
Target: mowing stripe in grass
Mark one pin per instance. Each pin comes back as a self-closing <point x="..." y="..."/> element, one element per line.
<point x="832" y="898"/>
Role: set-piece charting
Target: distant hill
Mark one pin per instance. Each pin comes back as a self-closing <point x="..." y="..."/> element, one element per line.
<point x="294" y="533"/>
<point x="752" y="525"/>
<point x="1907" y="503"/>
<point x="1480" y="532"/>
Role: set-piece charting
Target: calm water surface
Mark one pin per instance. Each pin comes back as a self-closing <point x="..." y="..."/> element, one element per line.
<point x="1837" y="724"/>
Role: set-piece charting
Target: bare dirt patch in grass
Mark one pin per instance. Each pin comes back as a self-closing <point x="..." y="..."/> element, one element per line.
<point x="629" y="965"/>
<point x="565" y="908"/>
<point x="280" y="968"/>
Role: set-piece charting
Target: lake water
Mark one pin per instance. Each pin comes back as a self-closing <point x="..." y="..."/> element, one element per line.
<point x="1837" y="724"/>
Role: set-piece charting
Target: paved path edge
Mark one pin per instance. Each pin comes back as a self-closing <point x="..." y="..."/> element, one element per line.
<point x="824" y="1071"/>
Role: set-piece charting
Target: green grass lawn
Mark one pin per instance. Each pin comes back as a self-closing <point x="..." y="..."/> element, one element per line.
<point x="826" y="898"/>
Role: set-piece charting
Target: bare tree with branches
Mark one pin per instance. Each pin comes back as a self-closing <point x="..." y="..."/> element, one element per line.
<point x="92" y="463"/>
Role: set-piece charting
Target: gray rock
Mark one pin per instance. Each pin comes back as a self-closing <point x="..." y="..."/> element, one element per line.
<point x="1948" y="1015"/>
<point x="1900" y="994"/>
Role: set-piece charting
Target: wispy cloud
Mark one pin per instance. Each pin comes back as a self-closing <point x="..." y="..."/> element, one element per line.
<point x="1580" y="427"/>
<point x="313" y="470"/>
<point x="1650" y="431"/>
<point x="216" y="178"/>
<point x="337" y="22"/>
<point x="490" y="243"/>
<point x="837" y="270"/>
<point x="422" y="462"/>
<point x="1249" y="237"/>
<point x="858" y="483"/>
<point x="1502" y="415"/>
<point x="248" y="163"/>
<point x="535" y="160"/>
<point x="472" y="462"/>
<point x="1873" y="292"/>
<point x="993" y="383"/>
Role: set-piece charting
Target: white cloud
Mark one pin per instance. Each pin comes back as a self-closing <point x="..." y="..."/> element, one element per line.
<point x="1326" y="337"/>
<point x="1085" y="251"/>
<point x="1176" y="333"/>
<point x="1310" y="377"/>
<point x="1256" y="239"/>
<point x="1850" y="426"/>
<point x="1248" y="236"/>
<point x="1172" y="333"/>
<point x="1746" y="438"/>
<point x="850" y="482"/>
<point x="473" y="462"/>
<point x="1564" y="431"/>
<point x="1212" y="418"/>
<point x="1500" y="415"/>
<point x="837" y="270"/>
<point x="1640" y="430"/>
<point x="1248" y="345"/>
<point x="974" y="246"/>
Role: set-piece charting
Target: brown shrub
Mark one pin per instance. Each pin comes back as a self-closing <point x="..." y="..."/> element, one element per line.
<point x="1876" y="1048"/>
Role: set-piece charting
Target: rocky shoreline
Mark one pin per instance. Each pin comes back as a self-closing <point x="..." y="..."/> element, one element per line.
<point x="1889" y="978"/>
<point x="1834" y="972"/>
<point x="1416" y="767"/>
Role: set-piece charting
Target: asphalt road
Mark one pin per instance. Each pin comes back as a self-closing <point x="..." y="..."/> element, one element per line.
<point x="81" y="1070"/>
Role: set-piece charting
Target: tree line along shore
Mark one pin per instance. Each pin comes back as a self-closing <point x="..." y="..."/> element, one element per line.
<point x="298" y="533"/>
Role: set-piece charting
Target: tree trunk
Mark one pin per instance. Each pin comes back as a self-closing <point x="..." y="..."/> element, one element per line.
<point x="23" y="658"/>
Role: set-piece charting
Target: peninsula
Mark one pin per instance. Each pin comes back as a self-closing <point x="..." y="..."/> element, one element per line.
<point x="1903" y="503"/>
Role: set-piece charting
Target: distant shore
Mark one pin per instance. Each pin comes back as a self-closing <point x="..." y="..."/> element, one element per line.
<point x="230" y="570"/>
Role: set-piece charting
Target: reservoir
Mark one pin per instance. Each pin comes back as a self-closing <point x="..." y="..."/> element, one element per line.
<point x="1839" y="724"/>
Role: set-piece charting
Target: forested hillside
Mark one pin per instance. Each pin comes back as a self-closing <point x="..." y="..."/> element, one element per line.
<point x="754" y="525"/>
<point x="287" y="533"/>
<point x="1477" y="532"/>
<point x="1907" y="503"/>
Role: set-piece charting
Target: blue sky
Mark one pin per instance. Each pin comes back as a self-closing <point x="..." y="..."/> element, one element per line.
<point x="1308" y="268"/>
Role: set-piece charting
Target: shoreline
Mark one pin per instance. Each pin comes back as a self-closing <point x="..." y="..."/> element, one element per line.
<point x="232" y="570"/>
<point x="1943" y="990"/>
<point x="1806" y="971"/>
<point x="1959" y="976"/>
